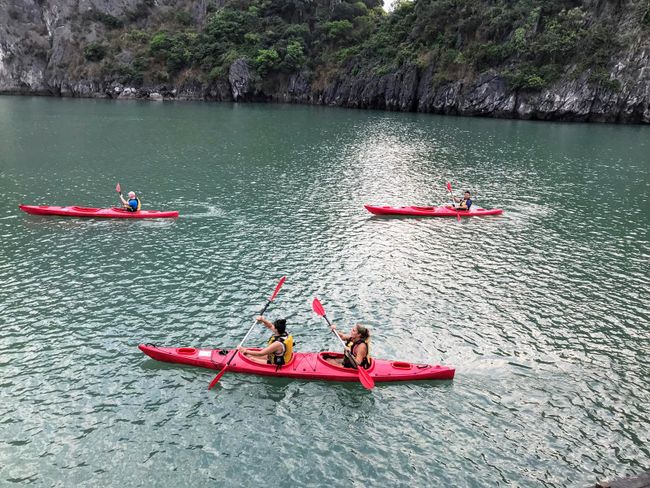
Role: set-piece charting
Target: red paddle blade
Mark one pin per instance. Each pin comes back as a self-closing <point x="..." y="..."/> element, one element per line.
<point x="317" y="307"/>
<point x="277" y="288"/>
<point x="448" y="186"/>
<point x="218" y="377"/>
<point x="118" y="188"/>
<point x="458" y="216"/>
<point x="365" y="379"/>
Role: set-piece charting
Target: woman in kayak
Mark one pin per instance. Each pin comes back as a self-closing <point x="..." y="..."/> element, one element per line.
<point x="133" y="204"/>
<point x="463" y="203"/>
<point x="279" y="349"/>
<point x="357" y="342"/>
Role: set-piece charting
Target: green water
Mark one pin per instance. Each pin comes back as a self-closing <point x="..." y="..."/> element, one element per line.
<point x="544" y="311"/>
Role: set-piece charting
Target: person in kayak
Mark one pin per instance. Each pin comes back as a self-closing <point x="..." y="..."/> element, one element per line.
<point x="357" y="342"/>
<point x="463" y="203"/>
<point x="279" y="349"/>
<point x="133" y="203"/>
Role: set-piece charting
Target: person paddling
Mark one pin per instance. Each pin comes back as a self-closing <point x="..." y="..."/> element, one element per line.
<point x="133" y="203"/>
<point x="279" y="350"/>
<point x="463" y="203"/>
<point x="357" y="342"/>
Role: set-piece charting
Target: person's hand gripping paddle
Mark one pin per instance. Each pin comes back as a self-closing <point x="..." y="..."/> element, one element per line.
<point x="364" y="377"/>
<point x="234" y="353"/>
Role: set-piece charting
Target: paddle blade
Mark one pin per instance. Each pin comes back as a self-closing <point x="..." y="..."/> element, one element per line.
<point x="317" y="307"/>
<point x="218" y="377"/>
<point x="277" y="288"/>
<point x="448" y="186"/>
<point x="458" y="216"/>
<point x="365" y="379"/>
<point x="118" y="188"/>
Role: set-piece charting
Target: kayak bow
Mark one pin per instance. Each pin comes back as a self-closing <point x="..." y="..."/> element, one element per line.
<point x="113" y="213"/>
<point x="305" y="365"/>
<point x="431" y="211"/>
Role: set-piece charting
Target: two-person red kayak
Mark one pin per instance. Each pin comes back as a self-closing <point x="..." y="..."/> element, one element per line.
<point x="432" y="211"/>
<point x="305" y="365"/>
<point x="112" y="212"/>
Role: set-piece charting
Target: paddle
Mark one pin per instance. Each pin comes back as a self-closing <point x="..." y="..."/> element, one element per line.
<point x="234" y="353"/>
<point x="118" y="189"/>
<point x="453" y="202"/>
<point x="364" y="377"/>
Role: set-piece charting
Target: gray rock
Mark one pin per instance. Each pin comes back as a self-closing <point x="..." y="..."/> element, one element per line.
<point x="240" y="79"/>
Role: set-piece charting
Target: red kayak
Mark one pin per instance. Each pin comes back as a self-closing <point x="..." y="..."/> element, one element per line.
<point x="303" y="365"/>
<point x="432" y="211"/>
<point x="112" y="213"/>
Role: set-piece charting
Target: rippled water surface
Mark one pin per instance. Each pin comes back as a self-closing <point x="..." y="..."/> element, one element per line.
<point x="544" y="310"/>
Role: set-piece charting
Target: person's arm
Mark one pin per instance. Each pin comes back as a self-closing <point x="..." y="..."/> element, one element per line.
<point x="273" y="348"/>
<point x="362" y="352"/>
<point x="266" y="323"/>
<point x="345" y="337"/>
<point x="124" y="202"/>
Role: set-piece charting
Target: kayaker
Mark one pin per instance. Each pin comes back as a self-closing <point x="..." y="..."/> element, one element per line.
<point x="358" y="343"/>
<point x="463" y="203"/>
<point x="133" y="204"/>
<point x="279" y="350"/>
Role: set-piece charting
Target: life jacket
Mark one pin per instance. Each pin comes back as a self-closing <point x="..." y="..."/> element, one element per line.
<point x="131" y="206"/>
<point x="352" y="345"/>
<point x="287" y="345"/>
<point x="131" y="209"/>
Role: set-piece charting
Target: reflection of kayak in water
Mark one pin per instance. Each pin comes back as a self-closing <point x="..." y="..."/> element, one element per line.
<point x="113" y="213"/>
<point x="303" y="365"/>
<point x="431" y="211"/>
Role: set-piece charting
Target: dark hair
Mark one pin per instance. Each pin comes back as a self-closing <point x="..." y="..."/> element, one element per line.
<point x="280" y="325"/>
<point x="467" y="191"/>
<point x="363" y="331"/>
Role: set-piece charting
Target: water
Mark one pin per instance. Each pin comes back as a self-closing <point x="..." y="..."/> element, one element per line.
<point x="544" y="311"/>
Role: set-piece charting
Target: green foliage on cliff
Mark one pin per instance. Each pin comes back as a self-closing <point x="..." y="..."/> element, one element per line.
<point x="530" y="43"/>
<point x="95" y="51"/>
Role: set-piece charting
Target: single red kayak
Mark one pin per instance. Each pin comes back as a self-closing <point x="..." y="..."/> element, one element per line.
<point x="303" y="365"/>
<point x="112" y="213"/>
<point x="431" y="211"/>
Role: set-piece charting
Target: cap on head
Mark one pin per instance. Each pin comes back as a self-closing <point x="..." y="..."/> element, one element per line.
<point x="280" y="325"/>
<point x="131" y="194"/>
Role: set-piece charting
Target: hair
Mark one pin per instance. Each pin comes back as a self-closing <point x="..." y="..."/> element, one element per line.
<point x="363" y="332"/>
<point x="467" y="191"/>
<point x="280" y="325"/>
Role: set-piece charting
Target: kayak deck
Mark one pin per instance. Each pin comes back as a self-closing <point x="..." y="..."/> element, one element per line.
<point x="306" y="365"/>
<point x="431" y="211"/>
<point x="113" y="212"/>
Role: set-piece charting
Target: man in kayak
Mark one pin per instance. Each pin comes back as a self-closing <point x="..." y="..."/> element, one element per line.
<point x="279" y="349"/>
<point x="357" y="343"/>
<point x="463" y="203"/>
<point x="133" y="204"/>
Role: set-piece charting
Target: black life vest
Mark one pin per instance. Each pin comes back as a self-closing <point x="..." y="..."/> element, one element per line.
<point x="352" y="345"/>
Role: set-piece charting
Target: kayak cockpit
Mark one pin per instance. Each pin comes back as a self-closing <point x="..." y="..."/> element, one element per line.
<point x="265" y="365"/>
<point x="324" y="356"/>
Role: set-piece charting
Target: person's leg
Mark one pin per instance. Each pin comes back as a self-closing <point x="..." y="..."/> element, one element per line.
<point x="335" y="361"/>
<point x="256" y="359"/>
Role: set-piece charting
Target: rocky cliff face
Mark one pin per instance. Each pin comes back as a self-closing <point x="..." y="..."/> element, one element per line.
<point x="567" y="100"/>
<point x="42" y="43"/>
